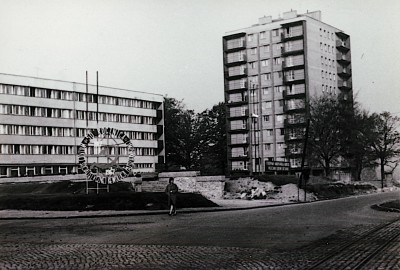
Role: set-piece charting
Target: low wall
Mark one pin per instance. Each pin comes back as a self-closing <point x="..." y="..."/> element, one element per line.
<point x="211" y="187"/>
<point x="44" y="178"/>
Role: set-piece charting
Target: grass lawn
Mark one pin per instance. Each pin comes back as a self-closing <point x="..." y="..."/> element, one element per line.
<point x="68" y="196"/>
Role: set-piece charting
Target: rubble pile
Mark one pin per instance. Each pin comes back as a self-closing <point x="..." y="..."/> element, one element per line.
<point x="249" y="189"/>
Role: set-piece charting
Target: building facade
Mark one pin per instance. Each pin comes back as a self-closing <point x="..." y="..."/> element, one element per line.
<point x="43" y="122"/>
<point x="271" y="70"/>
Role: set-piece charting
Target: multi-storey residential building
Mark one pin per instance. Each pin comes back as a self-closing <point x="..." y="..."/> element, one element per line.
<point x="43" y="122"/>
<point x="271" y="70"/>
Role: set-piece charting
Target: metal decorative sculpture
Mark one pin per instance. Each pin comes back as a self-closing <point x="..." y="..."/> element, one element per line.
<point x="109" y="172"/>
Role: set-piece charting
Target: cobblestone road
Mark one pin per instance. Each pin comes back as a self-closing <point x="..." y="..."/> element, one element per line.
<point x="336" y="248"/>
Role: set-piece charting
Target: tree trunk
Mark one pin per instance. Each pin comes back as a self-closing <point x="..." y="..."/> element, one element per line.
<point x="327" y="168"/>
<point x="382" y="172"/>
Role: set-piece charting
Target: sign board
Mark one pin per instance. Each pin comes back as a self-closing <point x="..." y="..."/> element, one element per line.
<point x="277" y="166"/>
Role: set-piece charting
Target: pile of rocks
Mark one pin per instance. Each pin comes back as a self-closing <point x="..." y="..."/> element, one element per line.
<point x="250" y="189"/>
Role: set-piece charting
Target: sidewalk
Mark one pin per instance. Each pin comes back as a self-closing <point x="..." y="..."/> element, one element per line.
<point x="224" y="205"/>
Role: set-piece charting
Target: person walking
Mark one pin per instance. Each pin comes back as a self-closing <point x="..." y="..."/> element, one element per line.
<point x="171" y="190"/>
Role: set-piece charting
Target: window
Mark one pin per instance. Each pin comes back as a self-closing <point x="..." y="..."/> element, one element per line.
<point x="265" y="63"/>
<point x="281" y="145"/>
<point x="277" y="61"/>
<point x="282" y="131"/>
<point x="266" y="48"/>
<point x="253" y="51"/>
<point x="266" y="77"/>
<point x="279" y="89"/>
<point x="266" y="118"/>
<point x="263" y="35"/>
<point x="253" y="65"/>
<point x="267" y="105"/>
<point x="250" y="37"/>
<point x="267" y="147"/>
<point x="269" y="132"/>
<point x="275" y="33"/>
<point x="265" y="91"/>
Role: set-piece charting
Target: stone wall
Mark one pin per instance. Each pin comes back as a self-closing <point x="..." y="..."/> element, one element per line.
<point x="211" y="187"/>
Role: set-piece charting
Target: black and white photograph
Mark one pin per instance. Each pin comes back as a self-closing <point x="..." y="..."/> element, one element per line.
<point x="199" y="134"/>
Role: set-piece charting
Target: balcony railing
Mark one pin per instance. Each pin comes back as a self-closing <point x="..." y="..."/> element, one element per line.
<point x="293" y="77"/>
<point x="240" y="142"/>
<point x="234" y="85"/>
<point x="295" y="48"/>
<point x="236" y="59"/>
<point x="342" y="45"/>
<point x="344" y="85"/>
<point x="295" y="121"/>
<point x="292" y="137"/>
<point x="292" y="34"/>
<point x="238" y="114"/>
<point x="293" y="63"/>
<point x="344" y="71"/>
<point x="343" y="58"/>
<point x="237" y="71"/>
<point x="235" y="44"/>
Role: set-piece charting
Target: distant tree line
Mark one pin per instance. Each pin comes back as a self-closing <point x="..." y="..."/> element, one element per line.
<point x="344" y="134"/>
<point x="341" y="134"/>
<point x="195" y="141"/>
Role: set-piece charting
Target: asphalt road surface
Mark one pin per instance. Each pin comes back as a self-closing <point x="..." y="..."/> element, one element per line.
<point x="243" y="234"/>
<point x="281" y="227"/>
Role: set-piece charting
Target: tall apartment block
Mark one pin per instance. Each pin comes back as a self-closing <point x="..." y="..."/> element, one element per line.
<point x="43" y="122"/>
<point x="271" y="70"/>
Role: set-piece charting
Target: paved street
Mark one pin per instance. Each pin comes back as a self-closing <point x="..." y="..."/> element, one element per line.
<point x="289" y="237"/>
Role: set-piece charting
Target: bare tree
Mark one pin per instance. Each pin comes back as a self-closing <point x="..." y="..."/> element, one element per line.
<point x="324" y="133"/>
<point x="385" y="145"/>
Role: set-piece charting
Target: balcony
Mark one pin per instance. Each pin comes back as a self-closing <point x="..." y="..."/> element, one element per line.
<point x="231" y="103"/>
<point x="292" y="64"/>
<point x="344" y="71"/>
<point x="293" y="137"/>
<point x="239" y="115"/>
<point x="237" y="143"/>
<point x="293" y="122"/>
<point x="342" y="45"/>
<point x="294" y="94"/>
<point x="236" y="72"/>
<point x="343" y="58"/>
<point x="239" y="157"/>
<point x="235" y="59"/>
<point x="236" y="85"/>
<point x="292" y="108"/>
<point x="235" y="42"/>
<point x="345" y="85"/>
<point x="294" y="49"/>
<point x="242" y="129"/>
<point x="293" y="152"/>
<point x="293" y="77"/>
<point x="292" y="34"/>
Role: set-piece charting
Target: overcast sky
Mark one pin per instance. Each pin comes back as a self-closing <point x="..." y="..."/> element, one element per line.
<point x="174" y="47"/>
